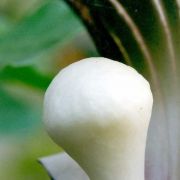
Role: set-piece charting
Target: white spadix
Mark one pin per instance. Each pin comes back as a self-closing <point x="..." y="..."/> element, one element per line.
<point x="98" y="110"/>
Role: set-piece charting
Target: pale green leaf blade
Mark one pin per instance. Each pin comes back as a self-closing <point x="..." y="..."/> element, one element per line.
<point x="51" y="25"/>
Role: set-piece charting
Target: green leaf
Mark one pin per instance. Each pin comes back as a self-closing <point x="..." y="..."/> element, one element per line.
<point x="51" y="25"/>
<point x="27" y="75"/>
<point x="5" y="25"/>
<point x="17" y="116"/>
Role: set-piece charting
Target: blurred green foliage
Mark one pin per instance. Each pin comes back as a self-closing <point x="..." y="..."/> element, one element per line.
<point x="51" y="25"/>
<point x="33" y="36"/>
<point x="16" y="116"/>
<point x="26" y="74"/>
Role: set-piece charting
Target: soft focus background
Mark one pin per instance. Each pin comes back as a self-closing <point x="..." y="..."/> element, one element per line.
<point x="37" y="39"/>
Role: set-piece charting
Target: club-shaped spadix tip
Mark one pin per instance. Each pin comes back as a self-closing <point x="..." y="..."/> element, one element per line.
<point x="100" y="102"/>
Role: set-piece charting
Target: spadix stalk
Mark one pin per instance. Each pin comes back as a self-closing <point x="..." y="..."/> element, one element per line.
<point x="99" y="110"/>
